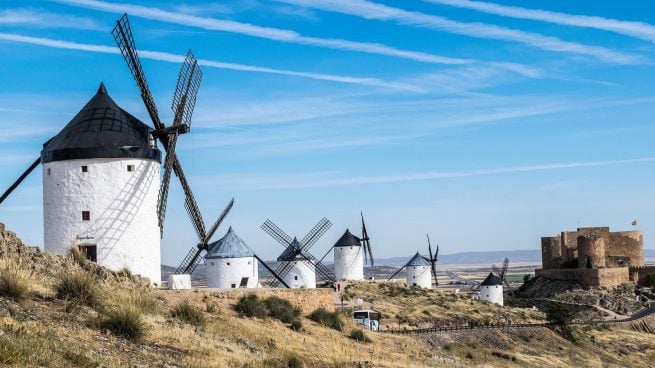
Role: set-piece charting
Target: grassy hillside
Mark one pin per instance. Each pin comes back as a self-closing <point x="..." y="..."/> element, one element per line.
<point x="65" y="312"/>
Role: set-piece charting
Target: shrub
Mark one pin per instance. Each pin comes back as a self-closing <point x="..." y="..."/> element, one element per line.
<point x="14" y="282"/>
<point x="558" y="314"/>
<point x="281" y="309"/>
<point x="296" y="325"/>
<point x="79" y="287"/>
<point x="140" y="300"/>
<point x="187" y="313"/>
<point x="76" y="255"/>
<point x="25" y="348"/>
<point x="650" y="281"/>
<point x="251" y="306"/>
<point x="359" y="335"/>
<point x="327" y="318"/>
<point x="124" y="321"/>
<point x="526" y="278"/>
<point x="294" y="362"/>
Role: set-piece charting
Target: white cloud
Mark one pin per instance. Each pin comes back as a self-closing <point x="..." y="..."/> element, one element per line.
<point x="163" y="56"/>
<point x="41" y="19"/>
<point x="336" y="179"/>
<point x="276" y="34"/>
<point x="372" y="10"/>
<point x="639" y="30"/>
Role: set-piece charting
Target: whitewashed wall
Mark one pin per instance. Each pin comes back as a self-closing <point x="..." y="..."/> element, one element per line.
<point x="222" y="273"/>
<point x="300" y="276"/>
<point x="419" y="276"/>
<point x="349" y="263"/>
<point x="123" y="208"/>
<point x="492" y="293"/>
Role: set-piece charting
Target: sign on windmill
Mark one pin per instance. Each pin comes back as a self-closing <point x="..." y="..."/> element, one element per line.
<point x="297" y="267"/>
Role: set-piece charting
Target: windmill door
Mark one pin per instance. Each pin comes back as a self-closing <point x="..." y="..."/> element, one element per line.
<point x="90" y="251"/>
<point x="244" y="282"/>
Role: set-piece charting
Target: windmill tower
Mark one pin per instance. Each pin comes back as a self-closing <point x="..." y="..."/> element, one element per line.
<point x="421" y="271"/>
<point x="350" y="253"/>
<point x="296" y="266"/>
<point x="101" y="173"/>
<point x="491" y="289"/>
<point x="230" y="263"/>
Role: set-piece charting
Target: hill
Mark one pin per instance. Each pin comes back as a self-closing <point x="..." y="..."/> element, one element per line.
<point x="68" y="312"/>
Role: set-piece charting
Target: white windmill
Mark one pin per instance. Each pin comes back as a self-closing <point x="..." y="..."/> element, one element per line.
<point x="421" y="271"/>
<point x="230" y="263"/>
<point x="350" y="254"/>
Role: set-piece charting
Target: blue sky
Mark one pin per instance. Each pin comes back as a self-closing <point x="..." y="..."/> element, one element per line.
<point x="486" y="124"/>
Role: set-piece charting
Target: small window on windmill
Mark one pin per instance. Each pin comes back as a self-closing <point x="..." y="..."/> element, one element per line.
<point x="234" y="286"/>
<point x="85" y="168"/>
<point x="295" y="277"/>
<point x="130" y="168"/>
<point x="48" y="171"/>
<point x="86" y="215"/>
<point x="228" y="263"/>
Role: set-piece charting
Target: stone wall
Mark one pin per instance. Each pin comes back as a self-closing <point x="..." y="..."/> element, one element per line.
<point x="639" y="274"/>
<point x="607" y="277"/>
<point x="306" y="299"/>
<point x="628" y="244"/>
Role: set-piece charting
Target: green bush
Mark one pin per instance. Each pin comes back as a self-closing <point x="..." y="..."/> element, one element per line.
<point x="359" y="335"/>
<point x="296" y="325"/>
<point x="327" y="318"/>
<point x="251" y="306"/>
<point x="650" y="281"/>
<point x="281" y="309"/>
<point x="558" y="314"/>
<point x="187" y="313"/>
<point x="78" y="287"/>
<point x="14" y="283"/>
<point x="124" y="321"/>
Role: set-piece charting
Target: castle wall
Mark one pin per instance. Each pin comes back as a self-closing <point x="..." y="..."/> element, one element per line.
<point x="607" y="277"/>
<point x="626" y="246"/>
<point x="551" y="251"/>
<point x="639" y="274"/>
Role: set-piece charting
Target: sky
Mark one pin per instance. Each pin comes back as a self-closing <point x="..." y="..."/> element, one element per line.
<point x="485" y="124"/>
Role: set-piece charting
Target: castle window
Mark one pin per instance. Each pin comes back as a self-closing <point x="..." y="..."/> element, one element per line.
<point x="86" y="215"/>
<point x="85" y="168"/>
<point x="130" y="168"/>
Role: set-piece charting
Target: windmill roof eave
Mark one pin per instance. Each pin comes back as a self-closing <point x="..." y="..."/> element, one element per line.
<point x="348" y="240"/>
<point x="418" y="260"/>
<point x="491" y="280"/>
<point x="101" y="129"/>
<point x="229" y="246"/>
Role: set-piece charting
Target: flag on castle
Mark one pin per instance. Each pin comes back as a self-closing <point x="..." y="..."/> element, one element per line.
<point x="634" y="222"/>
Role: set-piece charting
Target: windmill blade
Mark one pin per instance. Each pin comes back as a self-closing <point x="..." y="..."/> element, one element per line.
<point x="220" y="219"/>
<point x="495" y="269"/>
<point x="321" y="270"/>
<point x="190" y="203"/>
<point x="122" y="33"/>
<point x="163" y="189"/>
<point x="20" y="179"/>
<point x="281" y="271"/>
<point x="503" y="271"/>
<point x="188" y="83"/>
<point x="366" y="243"/>
<point x="190" y="261"/>
<point x="315" y="233"/>
<point x="273" y="273"/>
<point x="276" y="233"/>
<point x="395" y="273"/>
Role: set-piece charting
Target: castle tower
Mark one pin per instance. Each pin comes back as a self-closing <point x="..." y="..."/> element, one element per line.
<point x="348" y="258"/>
<point x="491" y="289"/>
<point x="230" y="263"/>
<point x="418" y="272"/>
<point x="591" y="251"/>
<point x="551" y="251"/>
<point x="100" y="189"/>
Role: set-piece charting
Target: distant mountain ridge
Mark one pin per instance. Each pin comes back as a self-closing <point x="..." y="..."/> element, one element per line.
<point x="530" y="255"/>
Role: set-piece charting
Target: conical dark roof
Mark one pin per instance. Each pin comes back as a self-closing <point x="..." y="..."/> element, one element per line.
<point x="418" y="260"/>
<point x="492" y="280"/>
<point x="348" y="240"/>
<point x="101" y="130"/>
<point x="229" y="246"/>
<point x="291" y="253"/>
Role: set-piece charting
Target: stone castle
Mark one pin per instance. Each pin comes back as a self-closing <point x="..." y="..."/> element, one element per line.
<point x="594" y="256"/>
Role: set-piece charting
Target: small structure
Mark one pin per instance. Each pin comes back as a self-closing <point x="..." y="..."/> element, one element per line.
<point x="348" y="257"/>
<point x="369" y="319"/>
<point x="491" y="289"/>
<point x="179" y="282"/>
<point x="301" y="269"/>
<point x="230" y="263"/>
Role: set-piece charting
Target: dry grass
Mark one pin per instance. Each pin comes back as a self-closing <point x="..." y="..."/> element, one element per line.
<point x="14" y="280"/>
<point x="78" y="287"/>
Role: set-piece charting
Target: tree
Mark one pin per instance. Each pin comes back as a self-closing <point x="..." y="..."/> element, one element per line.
<point x="558" y="314"/>
<point x="526" y="278"/>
